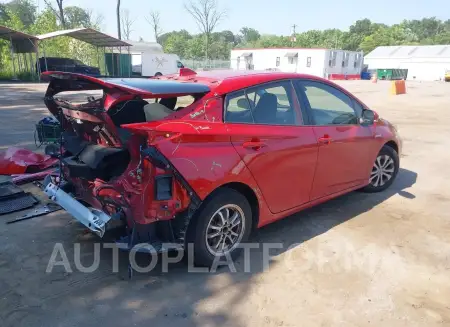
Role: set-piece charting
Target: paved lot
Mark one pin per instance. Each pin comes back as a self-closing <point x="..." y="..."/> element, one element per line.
<point x="360" y="260"/>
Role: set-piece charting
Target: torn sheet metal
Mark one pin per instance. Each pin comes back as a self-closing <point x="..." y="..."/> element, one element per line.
<point x="26" y="178"/>
<point x="20" y="161"/>
<point x="41" y="211"/>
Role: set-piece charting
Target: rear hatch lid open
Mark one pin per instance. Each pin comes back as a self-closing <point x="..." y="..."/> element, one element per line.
<point x="114" y="90"/>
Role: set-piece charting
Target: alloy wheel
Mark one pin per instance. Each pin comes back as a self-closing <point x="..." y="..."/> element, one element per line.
<point x="225" y="229"/>
<point x="382" y="171"/>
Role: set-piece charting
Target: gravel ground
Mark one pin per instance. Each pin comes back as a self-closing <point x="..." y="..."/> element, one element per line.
<point x="359" y="260"/>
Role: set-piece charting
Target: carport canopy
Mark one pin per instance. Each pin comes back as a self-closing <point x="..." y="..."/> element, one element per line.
<point x="291" y="54"/>
<point x="87" y="35"/>
<point x="21" y="42"/>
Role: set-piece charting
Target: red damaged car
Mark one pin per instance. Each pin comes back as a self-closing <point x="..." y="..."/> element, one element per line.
<point x="248" y="148"/>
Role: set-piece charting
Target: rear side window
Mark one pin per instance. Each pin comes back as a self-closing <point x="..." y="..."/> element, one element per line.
<point x="270" y="104"/>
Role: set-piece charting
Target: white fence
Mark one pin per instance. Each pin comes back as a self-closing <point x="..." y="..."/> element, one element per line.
<point x="206" y="64"/>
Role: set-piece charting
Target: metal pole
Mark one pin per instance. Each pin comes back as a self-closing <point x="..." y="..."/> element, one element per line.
<point x="104" y="58"/>
<point x="12" y="58"/>
<point x="131" y="64"/>
<point x="98" y="59"/>
<point x="45" y="57"/>
<point x="113" y="62"/>
<point x="38" y="63"/>
<point x="25" y="62"/>
<point x="120" y="66"/>
<point x="30" y="57"/>
<point x="19" y="62"/>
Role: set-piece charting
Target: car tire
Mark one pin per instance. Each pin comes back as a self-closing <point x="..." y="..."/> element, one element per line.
<point x="158" y="74"/>
<point x="212" y="219"/>
<point x="384" y="170"/>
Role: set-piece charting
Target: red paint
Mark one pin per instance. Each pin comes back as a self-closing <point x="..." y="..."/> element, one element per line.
<point x="289" y="168"/>
<point x="344" y="77"/>
<point x="20" y="161"/>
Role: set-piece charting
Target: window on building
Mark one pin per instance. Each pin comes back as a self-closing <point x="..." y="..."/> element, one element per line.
<point x="308" y="62"/>
<point x="332" y="61"/>
<point x="278" y="62"/>
<point x="346" y="59"/>
<point x="357" y="60"/>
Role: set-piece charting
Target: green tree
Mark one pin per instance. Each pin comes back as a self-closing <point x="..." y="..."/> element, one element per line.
<point x="177" y="44"/>
<point x="249" y="35"/>
<point x="77" y="17"/>
<point x="195" y="48"/>
<point x="3" y="13"/>
<point x="24" y="9"/>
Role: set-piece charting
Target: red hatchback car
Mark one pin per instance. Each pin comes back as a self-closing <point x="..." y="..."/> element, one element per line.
<point x="205" y="158"/>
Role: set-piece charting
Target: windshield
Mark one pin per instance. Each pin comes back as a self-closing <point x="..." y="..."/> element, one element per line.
<point x="76" y="61"/>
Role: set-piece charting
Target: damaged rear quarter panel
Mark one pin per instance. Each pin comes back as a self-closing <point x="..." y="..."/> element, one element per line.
<point x="206" y="158"/>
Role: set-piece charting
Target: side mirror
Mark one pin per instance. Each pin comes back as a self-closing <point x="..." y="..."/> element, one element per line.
<point x="368" y="117"/>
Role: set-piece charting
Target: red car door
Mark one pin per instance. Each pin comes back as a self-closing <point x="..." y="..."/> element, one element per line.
<point x="266" y="130"/>
<point x="344" y="144"/>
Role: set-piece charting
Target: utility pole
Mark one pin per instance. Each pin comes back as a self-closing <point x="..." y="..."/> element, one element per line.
<point x="293" y="37"/>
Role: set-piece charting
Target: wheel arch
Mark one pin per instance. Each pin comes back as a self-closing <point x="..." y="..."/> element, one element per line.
<point x="246" y="191"/>
<point x="392" y="145"/>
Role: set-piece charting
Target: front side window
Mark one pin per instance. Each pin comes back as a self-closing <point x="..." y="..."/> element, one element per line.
<point x="265" y="104"/>
<point x="328" y="105"/>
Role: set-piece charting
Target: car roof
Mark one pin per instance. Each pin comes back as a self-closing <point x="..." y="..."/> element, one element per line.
<point x="225" y="81"/>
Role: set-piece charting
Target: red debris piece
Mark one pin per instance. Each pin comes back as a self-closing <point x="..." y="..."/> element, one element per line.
<point x="20" y="161"/>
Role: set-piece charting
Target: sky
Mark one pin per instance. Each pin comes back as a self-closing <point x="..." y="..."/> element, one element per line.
<point x="267" y="16"/>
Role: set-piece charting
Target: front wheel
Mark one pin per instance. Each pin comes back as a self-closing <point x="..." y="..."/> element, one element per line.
<point x="222" y="223"/>
<point x="384" y="170"/>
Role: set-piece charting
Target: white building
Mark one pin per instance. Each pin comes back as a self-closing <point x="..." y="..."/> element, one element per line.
<point x="335" y="64"/>
<point x="424" y="63"/>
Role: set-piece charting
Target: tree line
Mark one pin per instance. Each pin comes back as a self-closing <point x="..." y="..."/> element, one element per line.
<point x="209" y="42"/>
<point x="364" y="35"/>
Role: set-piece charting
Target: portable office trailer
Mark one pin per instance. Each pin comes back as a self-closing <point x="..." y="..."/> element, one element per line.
<point x="334" y="64"/>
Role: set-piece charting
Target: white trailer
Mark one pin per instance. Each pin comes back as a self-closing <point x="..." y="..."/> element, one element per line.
<point x="149" y="59"/>
<point x="155" y="64"/>
<point x="325" y="63"/>
<point x="424" y="63"/>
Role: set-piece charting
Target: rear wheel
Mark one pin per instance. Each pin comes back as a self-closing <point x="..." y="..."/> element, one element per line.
<point x="384" y="170"/>
<point x="219" y="227"/>
<point x="158" y="74"/>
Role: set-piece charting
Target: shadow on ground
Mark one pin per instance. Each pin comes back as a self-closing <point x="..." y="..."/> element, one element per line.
<point x="155" y="298"/>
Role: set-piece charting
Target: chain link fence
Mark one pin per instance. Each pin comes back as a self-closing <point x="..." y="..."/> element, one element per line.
<point x="198" y="64"/>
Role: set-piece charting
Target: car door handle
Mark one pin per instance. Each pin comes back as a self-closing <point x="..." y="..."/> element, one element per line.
<point x="254" y="145"/>
<point x="325" y="139"/>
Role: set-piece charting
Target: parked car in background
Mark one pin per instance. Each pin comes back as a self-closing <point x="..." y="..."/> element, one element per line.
<point x="447" y="76"/>
<point x="67" y="65"/>
<point x="247" y="149"/>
